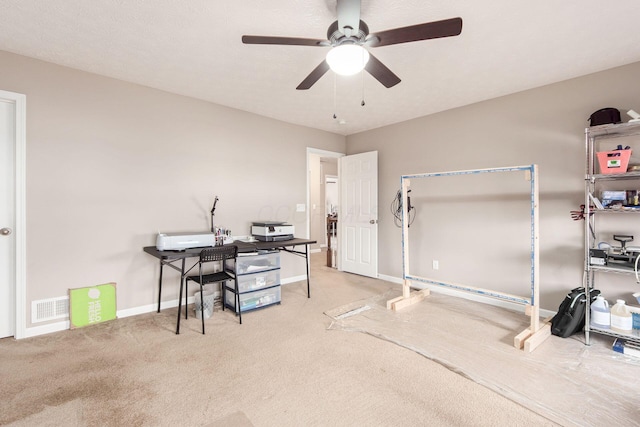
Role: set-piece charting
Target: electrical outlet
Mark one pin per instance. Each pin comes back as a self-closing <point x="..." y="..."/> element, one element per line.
<point x="435" y="264"/>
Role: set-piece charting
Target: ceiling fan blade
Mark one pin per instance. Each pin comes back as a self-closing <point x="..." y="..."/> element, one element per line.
<point x="314" y="76"/>
<point x="348" y="17"/>
<point x="294" y="41"/>
<point x="381" y="73"/>
<point x="412" y="33"/>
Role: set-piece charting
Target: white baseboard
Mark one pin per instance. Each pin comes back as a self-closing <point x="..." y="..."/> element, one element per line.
<point x="293" y="279"/>
<point x="468" y="296"/>
<point x="34" y="331"/>
<point x="391" y="279"/>
<point x="149" y="308"/>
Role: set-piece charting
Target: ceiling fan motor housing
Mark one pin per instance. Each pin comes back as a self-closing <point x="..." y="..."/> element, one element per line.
<point x="336" y="37"/>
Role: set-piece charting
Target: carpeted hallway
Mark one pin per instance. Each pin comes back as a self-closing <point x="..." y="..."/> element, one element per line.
<point x="281" y="367"/>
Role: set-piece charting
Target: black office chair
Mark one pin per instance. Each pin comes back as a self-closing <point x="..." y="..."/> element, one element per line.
<point x="220" y="254"/>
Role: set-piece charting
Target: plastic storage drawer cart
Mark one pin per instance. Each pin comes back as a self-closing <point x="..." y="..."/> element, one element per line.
<point x="258" y="282"/>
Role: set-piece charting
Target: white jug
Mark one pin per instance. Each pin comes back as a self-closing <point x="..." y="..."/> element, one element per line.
<point x="621" y="320"/>
<point x="600" y="314"/>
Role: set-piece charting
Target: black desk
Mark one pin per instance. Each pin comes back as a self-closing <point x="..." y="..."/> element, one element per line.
<point x="168" y="258"/>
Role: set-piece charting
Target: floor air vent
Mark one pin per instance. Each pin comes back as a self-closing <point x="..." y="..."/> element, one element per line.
<point x="49" y="309"/>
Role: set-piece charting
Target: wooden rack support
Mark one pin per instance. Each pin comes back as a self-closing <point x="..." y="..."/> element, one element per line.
<point x="538" y="331"/>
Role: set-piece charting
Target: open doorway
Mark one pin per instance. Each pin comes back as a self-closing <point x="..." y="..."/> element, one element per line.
<point x="322" y="196"/>
<point x="331" y="201"/>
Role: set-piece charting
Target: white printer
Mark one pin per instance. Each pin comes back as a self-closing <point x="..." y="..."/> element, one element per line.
<point x="181" y="241"/>
<point x="271" y="231"/>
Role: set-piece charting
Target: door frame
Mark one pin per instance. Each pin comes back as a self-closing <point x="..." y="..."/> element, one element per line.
<point x="323" y="153"/>
<point x="20" y="102"/>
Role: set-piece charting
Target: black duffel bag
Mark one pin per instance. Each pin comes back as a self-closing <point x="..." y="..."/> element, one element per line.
<point x="570" y="316"/>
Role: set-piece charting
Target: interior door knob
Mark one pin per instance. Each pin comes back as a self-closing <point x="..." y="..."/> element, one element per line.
<point x="5" y="231"/>
<point x="372" y="221"/>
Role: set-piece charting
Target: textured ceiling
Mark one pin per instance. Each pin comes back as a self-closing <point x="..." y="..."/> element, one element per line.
<point x="194" y="48"/>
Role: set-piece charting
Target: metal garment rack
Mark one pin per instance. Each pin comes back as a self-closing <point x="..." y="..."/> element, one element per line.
<point x="538" y="331"/>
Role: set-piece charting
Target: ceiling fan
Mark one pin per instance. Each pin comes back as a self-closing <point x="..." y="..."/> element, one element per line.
<point x="350" y="32"/>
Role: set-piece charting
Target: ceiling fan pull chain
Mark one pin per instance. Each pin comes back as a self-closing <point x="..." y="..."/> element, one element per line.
<point x="362" y="102"/>
<point x="335" y="102"/>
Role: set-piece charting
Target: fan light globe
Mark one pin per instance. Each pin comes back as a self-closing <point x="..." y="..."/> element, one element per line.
<point x="347" y="59"/>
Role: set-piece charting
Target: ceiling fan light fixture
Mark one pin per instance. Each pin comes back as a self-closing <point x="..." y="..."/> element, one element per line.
<point x="347" y="59"/>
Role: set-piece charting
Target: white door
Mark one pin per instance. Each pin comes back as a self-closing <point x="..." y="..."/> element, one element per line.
<point x="7" y="218"/>
<point x="358" y="214"/>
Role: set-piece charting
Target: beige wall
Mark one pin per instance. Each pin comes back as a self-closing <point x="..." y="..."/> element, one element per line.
<point x="109" y="164"/>
<point x="544" y="126"/>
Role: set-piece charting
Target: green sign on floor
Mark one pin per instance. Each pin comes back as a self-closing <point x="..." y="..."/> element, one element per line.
<point x="91" y="305"/>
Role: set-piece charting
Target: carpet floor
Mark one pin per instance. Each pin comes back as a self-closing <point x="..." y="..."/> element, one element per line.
<point x="284" y="366"/>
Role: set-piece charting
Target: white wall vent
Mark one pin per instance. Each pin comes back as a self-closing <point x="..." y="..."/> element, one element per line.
<point x="49" y="309"/>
